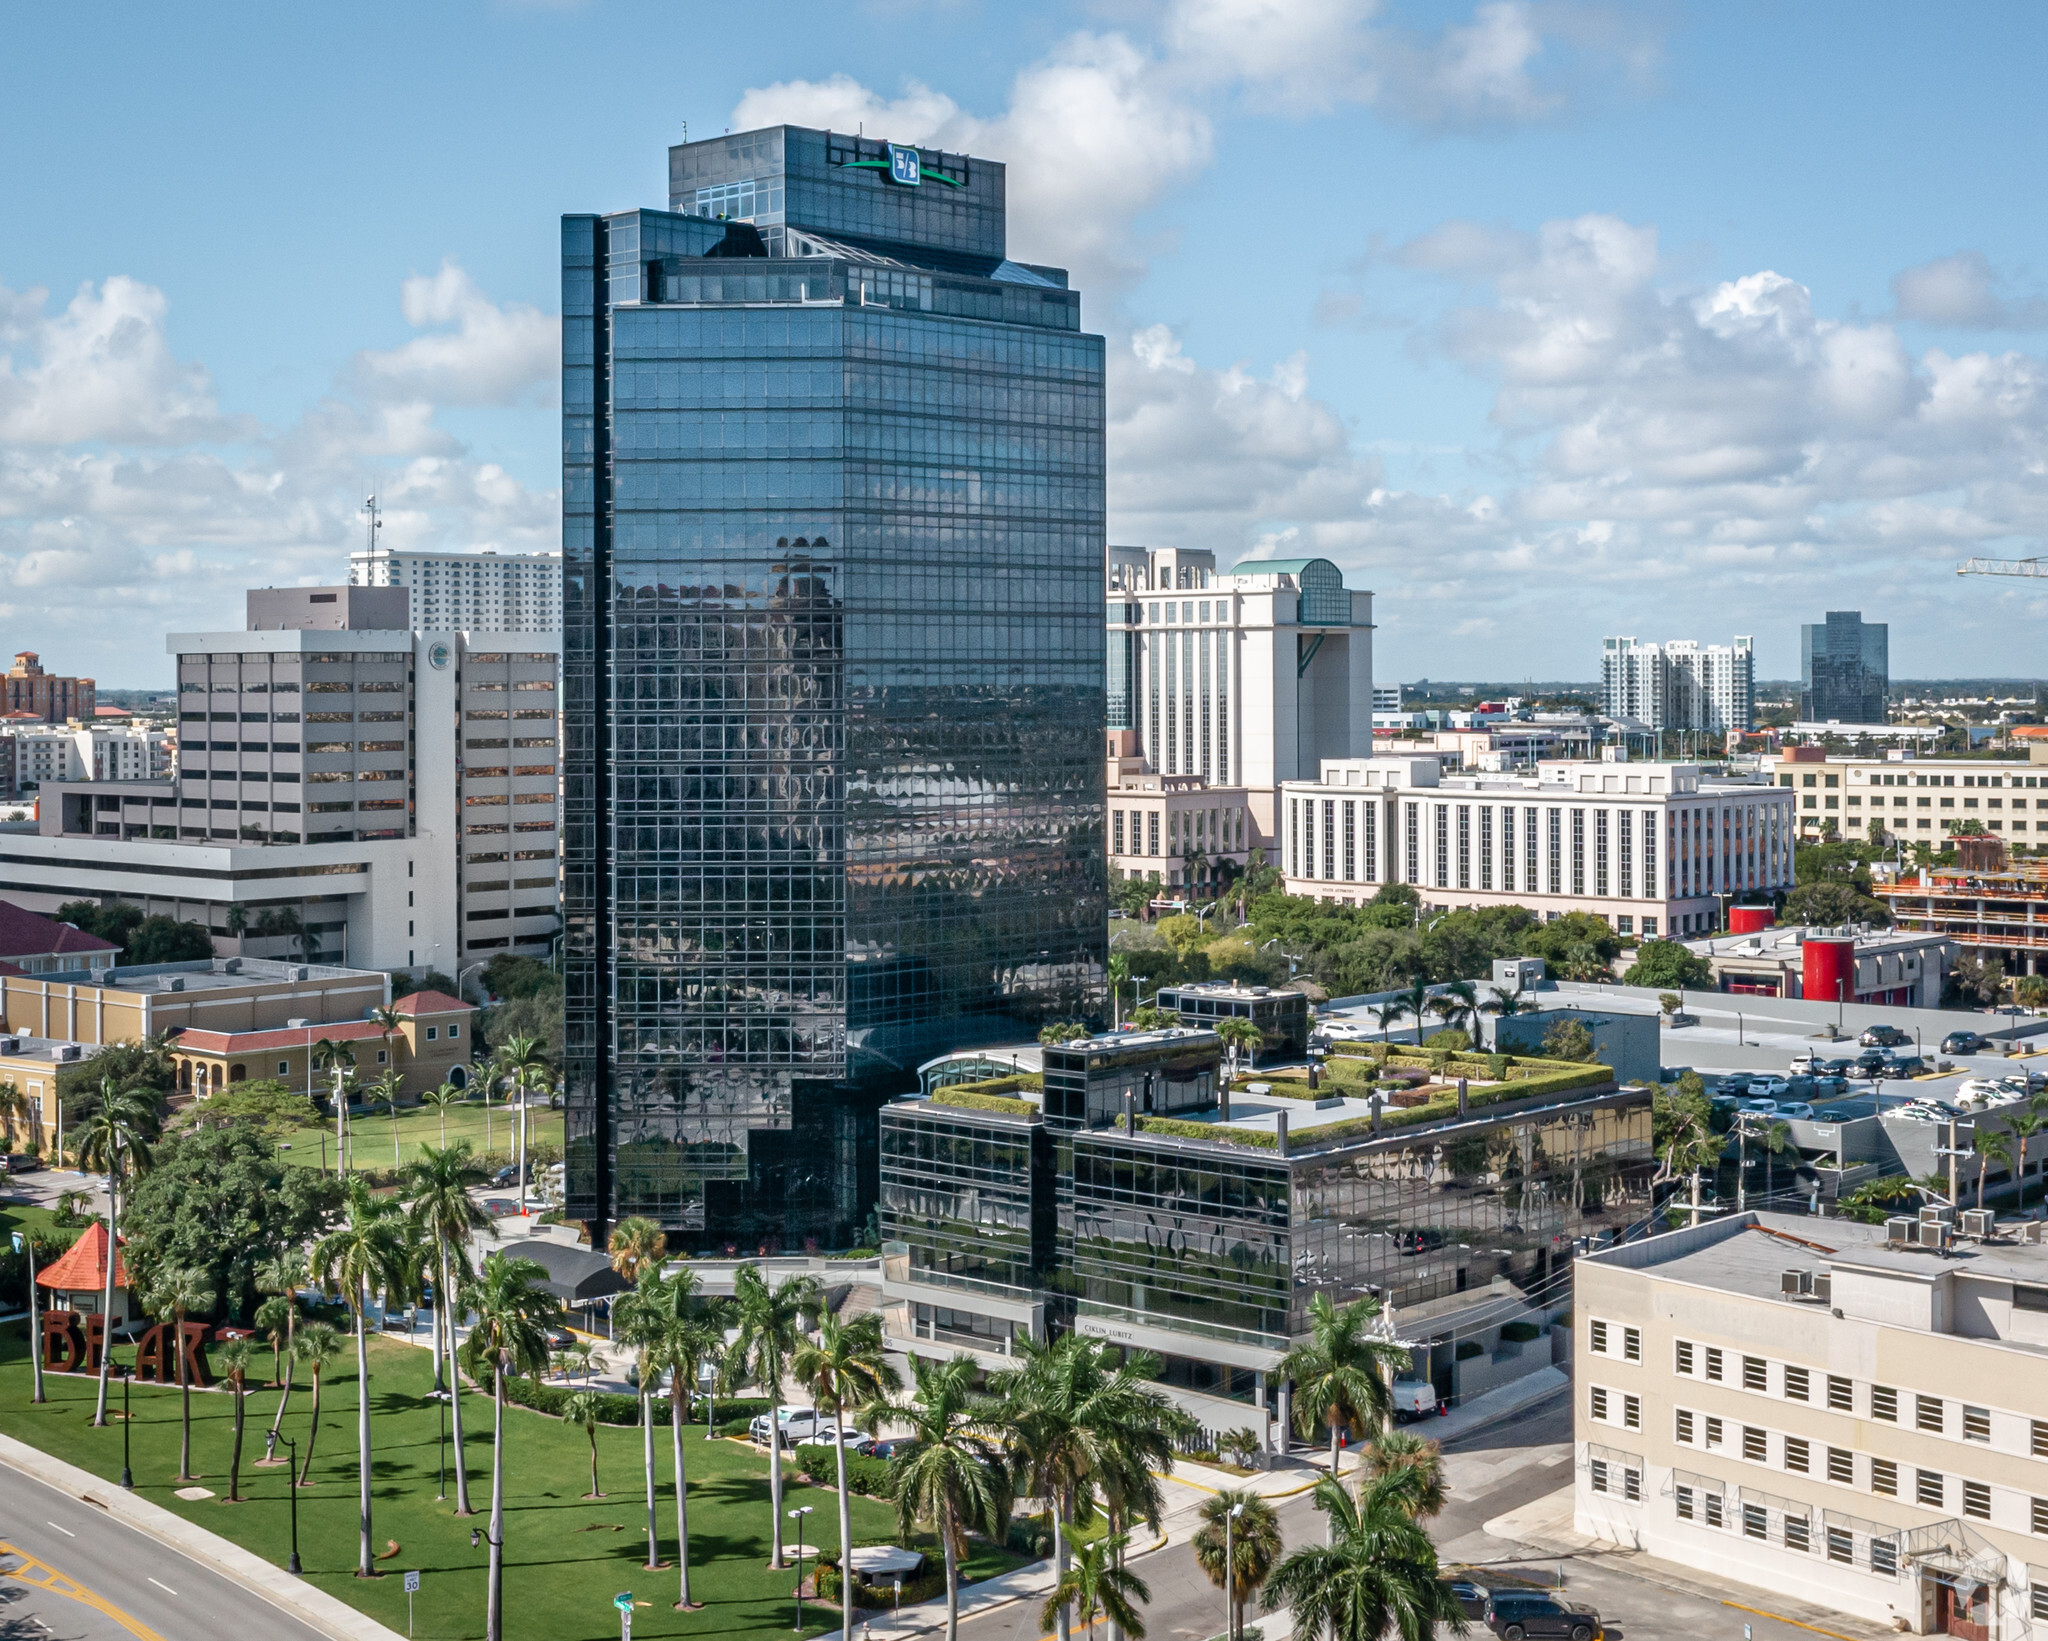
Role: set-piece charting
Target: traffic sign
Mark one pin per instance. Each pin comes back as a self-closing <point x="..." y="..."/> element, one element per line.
<point x="623" y="1601"/>
<point x="17" y="1242"/>
<point x="412" y="1582"/>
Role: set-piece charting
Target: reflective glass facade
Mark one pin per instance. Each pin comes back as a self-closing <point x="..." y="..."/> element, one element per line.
<point x="833" y="544"/>
<point x="968" y="1194"/>
<point x="1233" y="1242"/>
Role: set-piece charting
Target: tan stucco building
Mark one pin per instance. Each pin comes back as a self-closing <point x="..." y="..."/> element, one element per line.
<point x="1818" y="1408"/>
<point x="430" y="1045"/>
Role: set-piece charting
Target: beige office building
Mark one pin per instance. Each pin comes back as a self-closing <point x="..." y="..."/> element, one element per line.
<point x="1825" y="1411"/>
<point x="1917" y="799"/>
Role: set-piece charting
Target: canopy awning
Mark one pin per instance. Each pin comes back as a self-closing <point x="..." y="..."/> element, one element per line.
<point x="576" y="1275"/>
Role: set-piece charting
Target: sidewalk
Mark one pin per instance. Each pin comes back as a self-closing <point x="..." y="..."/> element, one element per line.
<point x="306" y="1602"/>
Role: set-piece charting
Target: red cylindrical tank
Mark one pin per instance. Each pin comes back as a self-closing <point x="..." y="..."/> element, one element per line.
<point x="1750" y="919"/>
<point x="1828" y="971"/>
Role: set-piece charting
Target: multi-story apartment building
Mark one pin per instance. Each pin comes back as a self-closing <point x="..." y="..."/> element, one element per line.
<point x="1651" y="847"/>
<point x="485" y="591"/>
<point x="91" y="752"/>
<point x="347" y="788"/>
<point x="1245" y="679"/>
<point x="833" y="536"/>
<point x="1844" y="669"/>
<point x="54" y="699"/>
<point x="1852" y="1415"/>
<point x="1132" y="1200"/>
<point x="1912" y="798"/>
<point x="1680" y="684"/>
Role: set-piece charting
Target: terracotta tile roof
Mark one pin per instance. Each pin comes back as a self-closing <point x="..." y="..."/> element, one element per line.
<point x="432" y="1002"/>
<point x="24" y="934"/>
<point x="254" y="1042"/>
<point x="82" y="1267"/>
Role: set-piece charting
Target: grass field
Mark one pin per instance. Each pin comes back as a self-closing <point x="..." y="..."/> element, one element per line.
<point x="566" y="1557"/>
<point x="491" y="1133"/>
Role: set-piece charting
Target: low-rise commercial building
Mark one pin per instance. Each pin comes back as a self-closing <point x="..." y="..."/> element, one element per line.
<point x="1181" y="829"/>
<point x="1280" y="1013"/>
<point x="1993" y="911"/>
<point x="1651" y="847"/>
<point x="1913" y="798"/>
<point x="134" y="1004"/>
<point x="31" y="944"/>
<point x="1894" y="967"/>
<point x="1827" y="1411"/>
<point x="430" y="1045"/>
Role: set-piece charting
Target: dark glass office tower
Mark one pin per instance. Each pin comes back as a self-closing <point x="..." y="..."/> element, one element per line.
<point x="1844" y="669"/>
<point x="833" y="546"/>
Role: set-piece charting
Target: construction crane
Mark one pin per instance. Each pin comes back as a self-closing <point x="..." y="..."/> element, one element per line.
<point x="2003" y="566"/>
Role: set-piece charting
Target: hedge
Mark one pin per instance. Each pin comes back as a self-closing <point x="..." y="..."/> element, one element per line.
<point x="1258" y="1139"/>
<point x="1521" y="1333"/>
<point x="1469" y="1348"/>
<point x="968" y="1097"/>
<point x="615" y="1408"/>
<point x="873" y="1478"/>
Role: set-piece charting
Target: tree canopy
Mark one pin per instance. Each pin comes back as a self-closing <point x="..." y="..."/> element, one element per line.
<point x="1829" y="902"/>
<point x="142" y="939"/>
<point x="1665" y="964"/>
<point x="267" y="1104"/>
<point x="219" y="1200"/>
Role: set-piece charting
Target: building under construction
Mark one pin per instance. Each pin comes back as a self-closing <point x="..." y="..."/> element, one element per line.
<point x="1990" y="905"/>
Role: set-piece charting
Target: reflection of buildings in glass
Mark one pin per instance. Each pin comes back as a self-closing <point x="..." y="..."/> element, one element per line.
<point x="833" y="529"/>
<point x="1844" y="669"/>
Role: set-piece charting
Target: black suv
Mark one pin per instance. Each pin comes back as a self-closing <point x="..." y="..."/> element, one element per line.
<point x="1513" y="1614"/>
<point x="1884" y="1037"/>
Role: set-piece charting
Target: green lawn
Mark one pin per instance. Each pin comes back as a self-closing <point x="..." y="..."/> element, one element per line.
<point x="370" y="1135"/>
<point x="565" y="1557"/>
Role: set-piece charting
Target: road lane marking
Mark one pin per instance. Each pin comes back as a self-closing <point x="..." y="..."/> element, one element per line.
<point x="41" y="1575"/>
<point x="161" y="1585"/>
<point x="66" y="1531"/>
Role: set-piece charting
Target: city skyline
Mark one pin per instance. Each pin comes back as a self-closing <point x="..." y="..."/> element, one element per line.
<point x="1847" y="389"/>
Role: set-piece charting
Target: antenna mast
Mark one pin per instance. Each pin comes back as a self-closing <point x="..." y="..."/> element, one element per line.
<point x="376" y="519"/>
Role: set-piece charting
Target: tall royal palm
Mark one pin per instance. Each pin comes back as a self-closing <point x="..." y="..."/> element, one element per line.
<point x="636" y="1321"/>
<point x="366" y="1252"/>
<point x="179" y="1292"/>
<point x="519" y="1061"/>
<point x="281" y="1277"/>
<point x="235" y="1359"/>
<point x="770" y="1324"/>
<point x="687" y="1337"/>
<point x="952" y="1472"/>
<point x="846" y="1370"/>
<point x="115" y="1141"/>
<point x="317" y="1345"/>
<point x="507" y="1338"/>
<point x="1341" y="1372"/>
<point x="1377" y="1574"/>
<point x="437" y="1187"/>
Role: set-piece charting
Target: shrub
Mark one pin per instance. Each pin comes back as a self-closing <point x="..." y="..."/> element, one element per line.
<point x="875" y="1478"/>
<point x="1030" y="1536"/>
<point x="1469" y="1348"/>
<point x="1252" y="1137"/>
<point x="970" y="1097"/>
<point x="1521" y="1333"/>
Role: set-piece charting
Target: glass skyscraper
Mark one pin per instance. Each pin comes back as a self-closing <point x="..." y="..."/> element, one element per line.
<point x="833" y="536"/>
<point x="1844" y="669"/>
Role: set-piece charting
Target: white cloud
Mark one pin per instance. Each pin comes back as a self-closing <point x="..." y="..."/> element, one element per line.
<point x="493" y="355"/>
<point x="1962" y="291"/>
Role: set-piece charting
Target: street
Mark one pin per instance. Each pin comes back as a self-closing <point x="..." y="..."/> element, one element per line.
<point x="72" y="1573"/>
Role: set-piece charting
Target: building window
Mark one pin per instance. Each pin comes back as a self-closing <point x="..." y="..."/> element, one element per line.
<point x="1755" y="1522"/>
<point x="1884" y="1478"/>
<point x="1682" y="1498"/>
<point x="1600" y="852"/>
<point x="1755" y="1373"/>
<point x="1116" y="830"/>
<point x="2039" y="1430"/>
<point x="1884" y="1556"/>
<point x="2038" y="1516"/>
<point x="1712" y="1502"/>
<point x="1597" y="1338"/>
<point x="1927" y="1413"/>
<point x="1841" y="1394"/>
<point x="1597" y="1404"/>
<point x="1443" y="846"/>
<point x="284" y="1067"/>
<point x="1632" y="1412"/>
<point x="433" y="1033"/>
<point x="1884" y="1403"/>
<point x="2037" y="1596"/>
<point x="1578" y="851"/>
<point x="1486" y="846"/>
<point x="1556" y="851"/>
<point x="1796" y="1454"/>
<point x="454" y="1032"/>
<point x="1713" y="1431"/>
<point x="1977" y="1500"/>
<point x="1714" y="1363"/>
<point x="1976" y="1424"/>
<point x="1756" y="1446"/>
<point x="1632" y="1485"/>
<point x="1929" y="1488"/>
<point x="1842" y="1466"/>
<point x="1596" y="1471"/>
<point x="1841" y="1547"/>
<point x="1329" y="840"/>
<point x="1682" y="1425"/>
<point x="1624" y="855"/>
<point x="1681" y="1351"/>
<point x="1152" y="831"/>
<point x="1350" y="841"/>
<point x="1799" y="1534"/>
<point x="1796" y="1384"/>
<point x="1632" y="1344"/>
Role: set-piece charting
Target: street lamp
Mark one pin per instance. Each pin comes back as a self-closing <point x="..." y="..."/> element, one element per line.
<point x="1229" y="1573"/>
<point x="845" y="1573"/>
<point x="127" y="1423"/>
<point x="292" y="1488"/>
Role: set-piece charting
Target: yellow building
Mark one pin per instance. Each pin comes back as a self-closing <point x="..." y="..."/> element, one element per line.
<point x="430" y="1045"/>
<point x="230" y="994"/>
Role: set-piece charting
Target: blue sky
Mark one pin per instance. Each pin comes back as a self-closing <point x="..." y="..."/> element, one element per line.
<point x="1545" y="320"/>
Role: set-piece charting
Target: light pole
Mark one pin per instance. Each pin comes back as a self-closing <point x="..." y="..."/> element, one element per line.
<point x="25" y="1241"/>
<point x="845" y="1573"/>
<point x="1230" y="1573"/>
<point x="127" y="1424"/>
<point x="291" y="1486"/>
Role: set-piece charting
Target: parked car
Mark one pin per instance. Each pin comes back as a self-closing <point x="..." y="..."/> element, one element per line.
<point x="1904" y="1065"/>
<point x="558" y="1337"/>
<point x="1964" y="1042"/>
<point x="1732" y="1082"/>
<point x="880" y="1447"/>
<point x="1884" y="1037"/>
<point x="1913" y="1113"/>
<point x="1838" y="1067"/>
<point x="1414" y="1399"/>
<point x="1828" y="1087"/>
<point x="799" y="1424"/>
<point x="1468" y="1595"/>
<point x="1795" y="1108"/>
<point x="1872" y="1060"/>
<point x="1514" y="1614"/>
<point x="1983" y="1091"/>
<point x="1840" y="1113"/>
<point x="23" y="1162"/>
<point x="1762" y="1108"/>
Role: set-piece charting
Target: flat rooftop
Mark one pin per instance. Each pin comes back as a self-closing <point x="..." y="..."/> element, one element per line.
<point x="209" y="974"/>
<point x="1785" y="941"/>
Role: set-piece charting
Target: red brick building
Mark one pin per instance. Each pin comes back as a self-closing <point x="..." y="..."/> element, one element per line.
<point x="52" y="699"/>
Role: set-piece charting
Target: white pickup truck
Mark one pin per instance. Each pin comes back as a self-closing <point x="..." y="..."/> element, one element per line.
<point x="1414" y="1399"/>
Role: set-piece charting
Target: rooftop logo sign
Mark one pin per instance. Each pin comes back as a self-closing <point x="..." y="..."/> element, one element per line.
<point x="905" y="167"/>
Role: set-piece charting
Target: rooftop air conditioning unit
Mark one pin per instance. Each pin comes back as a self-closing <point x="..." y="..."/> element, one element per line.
<point x="232" y="965"/>
<point x="68" y="1051"/>
<point x="1898" y="1229"/>
<point x="1940" y="1213"/>
<point x="174" y="982"/>
<point x="1935" y="1235"/>
<point x="1979" y="1222"/>
<point x="297" y="1025"/>
<point x="1824" y="1287"/>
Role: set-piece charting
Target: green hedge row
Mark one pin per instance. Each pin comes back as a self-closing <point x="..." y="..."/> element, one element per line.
<point x="970" y="1097"/>
<point x="873" y="1478"/>
<point x="1179" y="1129"/>
<point x="615" y="1408"/>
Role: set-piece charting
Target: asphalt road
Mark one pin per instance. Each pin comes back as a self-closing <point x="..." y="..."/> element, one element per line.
<point x="69" y="1572"/>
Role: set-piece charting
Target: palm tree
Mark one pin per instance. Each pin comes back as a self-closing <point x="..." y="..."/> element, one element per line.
<point x="367" y="1250"/>
<point x="180" y="1290"/>
<point x="507" y="1338"/>
<point x="1340" y="1373"/>
<point x="1386" y="1016"/>
<point x="581" y="1410"/>
<point x="446" y="1214"/>
<point x="519" y="1060"/>
<point x="235" y="1358"/>
<point x="441" y="1099"/>
<point x="1241" y="1034"/>
<point x="1251" y="1538"/>
<point x="950" y="1473"/>
<point x="2023" y="1127"/>
<point x="1097" y="1582"/>
<point x="1119" y="977"/>
<point x="1992" y="1145"/>
<point x="282" y="1277"/>
<point x="14" y="1110"/>
<point x="1457" y="1005"/>
<point x="388" y="1021"/>
<point x="383" y="1091"/>
<point x="1393" y="1450"/>
<point x="683" y="1338"/>
<point x="1690" y="1148"/>
<point x="636" y="1320"/>
<point x="1507" y="1004"/>
<point x="770" y="1321"/>
<point x="845" y="1369"/>
<point x="1416" y="999"/>
<point x="635" y="1244"/>
<point x="340" y="1059"/>
<point x="115" y="1141"/>
<point x="317" y="1345"/>
<point x="1377" y="1573"/>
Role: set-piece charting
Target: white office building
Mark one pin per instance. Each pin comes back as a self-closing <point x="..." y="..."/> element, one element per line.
<point x="1245" y="678"/>
<point x="1647" y="846"/>
<point x="346" y="789"/>
<point x="1680" y="684"/>
<point x="487" y="591"/>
